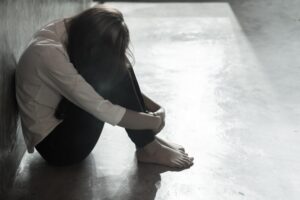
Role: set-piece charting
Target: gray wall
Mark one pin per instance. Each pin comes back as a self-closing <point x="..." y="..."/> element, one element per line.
<point x="19" y="19"/>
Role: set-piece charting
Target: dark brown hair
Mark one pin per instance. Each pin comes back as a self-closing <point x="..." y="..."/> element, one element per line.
<point x="98" y="38"/>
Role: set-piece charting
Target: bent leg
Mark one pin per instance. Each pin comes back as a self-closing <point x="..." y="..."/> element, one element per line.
<point x="121" y="87"/>
<point x="72" y="140"/>
<point x="127" y="94"/>
<point x="76" y="136"/>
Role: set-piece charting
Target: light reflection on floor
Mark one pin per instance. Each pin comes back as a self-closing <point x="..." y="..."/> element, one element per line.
<point x="195" y="60"/>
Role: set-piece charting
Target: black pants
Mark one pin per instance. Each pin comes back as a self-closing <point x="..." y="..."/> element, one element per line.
<point x="74" y="138"/>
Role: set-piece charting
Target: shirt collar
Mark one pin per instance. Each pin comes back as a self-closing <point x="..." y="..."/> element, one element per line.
<point x="62" y="32"/>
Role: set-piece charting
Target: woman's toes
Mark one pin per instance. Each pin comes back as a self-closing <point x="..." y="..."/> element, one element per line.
<point x="179" y="163"/>
<point x="191" y="163"/>
<point x="184" y="153"/>
<point x="182" y="149"/>
<point x="182" y="162"/>
<point x="171" y="144"/>
<point x="188" y="160"/>
<point x="187" y="163"/>
<point x="164" y="155"/>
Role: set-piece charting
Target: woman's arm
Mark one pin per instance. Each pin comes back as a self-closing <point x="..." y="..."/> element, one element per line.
<point x="152" y="106"/>
<point x="156" y="110"/>
<point x="62" y="76"/>
<point x="140" y="120"/>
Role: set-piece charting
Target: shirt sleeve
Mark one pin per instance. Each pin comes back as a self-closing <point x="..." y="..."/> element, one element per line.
<point x="57" y="71"/>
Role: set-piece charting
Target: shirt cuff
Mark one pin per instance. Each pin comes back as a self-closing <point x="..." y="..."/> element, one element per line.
<point x="120" y="112"/>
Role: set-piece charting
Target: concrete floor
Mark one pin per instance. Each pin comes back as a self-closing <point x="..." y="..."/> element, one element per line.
<point x="227" y="74"/>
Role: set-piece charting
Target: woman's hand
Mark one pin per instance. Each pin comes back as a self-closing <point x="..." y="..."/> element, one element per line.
<point x="161" y="114"/>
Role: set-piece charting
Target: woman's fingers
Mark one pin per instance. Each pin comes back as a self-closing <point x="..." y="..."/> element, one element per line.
<point x="161" y="112"/>
<point x="162" y="125"/>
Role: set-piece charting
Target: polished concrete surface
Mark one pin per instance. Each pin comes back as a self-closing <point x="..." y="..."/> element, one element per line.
<point x="227" y="74"/>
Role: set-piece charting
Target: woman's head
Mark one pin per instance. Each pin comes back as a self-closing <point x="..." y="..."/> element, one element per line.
<point x="98" y="37"/>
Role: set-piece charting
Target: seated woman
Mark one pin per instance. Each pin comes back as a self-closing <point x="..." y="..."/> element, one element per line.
<point x="73" y="77"/>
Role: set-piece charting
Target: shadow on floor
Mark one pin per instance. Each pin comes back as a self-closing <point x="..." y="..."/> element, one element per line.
<point x="83" y="181"/>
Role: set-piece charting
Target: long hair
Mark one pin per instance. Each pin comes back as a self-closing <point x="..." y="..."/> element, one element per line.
<point x="98" y="38"/>
<point x="97" y="46"/>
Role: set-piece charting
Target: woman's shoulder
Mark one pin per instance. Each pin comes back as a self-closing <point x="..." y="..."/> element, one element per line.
<point x="49" y="29"/>
<point x="48" y="38"/>
<point x="44" y="53"/>
<point x="45" y="46"/>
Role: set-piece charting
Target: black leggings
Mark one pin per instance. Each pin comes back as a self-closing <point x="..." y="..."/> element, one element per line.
<point x="74" y="138"/>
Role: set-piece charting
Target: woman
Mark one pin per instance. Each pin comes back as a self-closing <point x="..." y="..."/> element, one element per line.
<point x="73" y="77"/>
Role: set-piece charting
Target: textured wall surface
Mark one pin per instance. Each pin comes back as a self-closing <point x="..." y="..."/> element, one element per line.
<point x="19" y="19"/>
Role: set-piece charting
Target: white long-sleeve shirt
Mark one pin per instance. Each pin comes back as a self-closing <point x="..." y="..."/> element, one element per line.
<point x="43" y="75"/>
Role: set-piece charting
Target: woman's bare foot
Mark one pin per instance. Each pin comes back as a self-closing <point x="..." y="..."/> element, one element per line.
<point x="170" y="144"/>
<point x="158" y="153"/>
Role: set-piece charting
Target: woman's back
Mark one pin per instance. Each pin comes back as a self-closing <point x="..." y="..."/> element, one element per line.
<point x="44" y="74"/>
